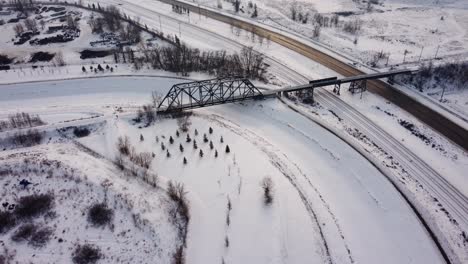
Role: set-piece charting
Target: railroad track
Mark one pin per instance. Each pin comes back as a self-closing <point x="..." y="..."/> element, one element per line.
<point x="445" y="126"/>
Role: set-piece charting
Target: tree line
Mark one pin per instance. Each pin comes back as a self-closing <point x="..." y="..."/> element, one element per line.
<point x="183" y="59"/>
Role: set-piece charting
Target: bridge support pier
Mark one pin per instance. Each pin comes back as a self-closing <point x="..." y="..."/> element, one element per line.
<point x="358" y="86"/>
<point x="336" y="89"/>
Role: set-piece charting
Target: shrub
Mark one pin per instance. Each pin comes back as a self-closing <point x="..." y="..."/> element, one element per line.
<point x="123" y="145"/>
<point x="35" y="235"/>
<point x="267" y="185"/>
<point x="179" y="256"/>
<point x="178" y="194"/>
<point x="40" y="237"/>
<point x="24" y="233"/>
<point x="26" y="139"/>
<point x="34" y="205"/>
<point x="100" y="215"/>
<point x="81" y="132"/>
<point x="7" y="221"/>
<point x="184" y="123"/>
<point x="41" y="56"/>
<point x="86" y="254"/>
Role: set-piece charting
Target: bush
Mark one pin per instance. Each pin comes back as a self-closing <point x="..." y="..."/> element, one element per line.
<point x="26" y="139"/>
<point x="267" y="185"/>
<point x="86" y="254"/>
<point x="24" y="233"/>
<point x="178" y="194"/>
<point x="40" y="237"/>
<point x="36" y="236"/>
<point x="34" y="205"/>
<point x="123" y="145"/>
<point x="42" y="56"/>
<point x="179" y="256"/>
<point x="81" y="132"/>
<point x="4" y="59"/>
<point x="7" y="221"/>
<point x="100" y="215"/>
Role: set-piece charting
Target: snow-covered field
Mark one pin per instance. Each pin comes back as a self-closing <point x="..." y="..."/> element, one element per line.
<point x="330" y="204"/>
<point x="86" y="40"/>
<point x="431" y="27"/>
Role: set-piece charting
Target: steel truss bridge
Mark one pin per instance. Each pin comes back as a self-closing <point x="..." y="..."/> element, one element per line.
<point x="198" y="94"/>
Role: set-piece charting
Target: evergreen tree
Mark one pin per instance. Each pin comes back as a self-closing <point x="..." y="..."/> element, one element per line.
<point x="216" y="153"/>
<point x="141" y="137"/>
<point x="211" y="145"/>
<point x="228" y="149"/>
<point x="205" y="139"/>
<point x="196" y="132"/>
<point x="201" y="153"/>
<point x="255" y="12"/>
<point x="162" y="146"/>
<point x="83" y="69"/>
<point x="221" y="139"/>
<point x="210" y="130"/>
<point x="157" y="139"/>
<point x="185" y="161"/>
<point x="195" y="146"/>
<point x="168" y="154"/>
<point x="177" y="133"/>
<point x="181" y="148"/>
<point x="171" y="140"/>
<point x="188" y="138"/>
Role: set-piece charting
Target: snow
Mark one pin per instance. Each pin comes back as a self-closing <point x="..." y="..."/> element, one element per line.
<point x="78" y="180"/>
<point x="320" y="182"/>
<point x="70" y="50"/>
<point x="356" y="208"/>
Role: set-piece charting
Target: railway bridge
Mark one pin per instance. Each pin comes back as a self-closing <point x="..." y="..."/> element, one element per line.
<point x="227" y="90"/>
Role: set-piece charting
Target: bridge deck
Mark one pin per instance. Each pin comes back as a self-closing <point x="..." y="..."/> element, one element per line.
<point x="224" y="90"/>
<point x="332" y="81"/>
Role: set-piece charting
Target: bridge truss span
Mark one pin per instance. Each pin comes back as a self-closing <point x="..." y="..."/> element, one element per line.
<point x="208" y="92"/>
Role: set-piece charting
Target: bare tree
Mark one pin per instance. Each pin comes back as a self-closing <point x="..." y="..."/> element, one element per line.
<point x="71" y="23"/>
<point x="184" y="123"/>
<point x="58" y="59"/>
<point x="30" y="24"/>
<point x="18" y="28"/>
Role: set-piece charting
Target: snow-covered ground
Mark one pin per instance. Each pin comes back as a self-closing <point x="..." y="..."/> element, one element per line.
<point x="430" y="27"/>
<point x="329" y="202"/>
<point x="265" y="131"/>
<point x="140" y="229"/>
<point x="21" y="54"/>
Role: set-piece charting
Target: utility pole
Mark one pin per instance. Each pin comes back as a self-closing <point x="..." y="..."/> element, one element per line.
<point x="420" y="55"/>
<point x="404" y="55"/>
<point x="442" y="96"/>
<point x="180" y="32"/>
<point x="160" y="24"/>
<point x="437" y="52"/>
<point x="388" y="57"/>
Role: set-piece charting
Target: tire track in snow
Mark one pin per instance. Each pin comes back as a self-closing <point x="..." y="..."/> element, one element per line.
<point x="282" y="166"/>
